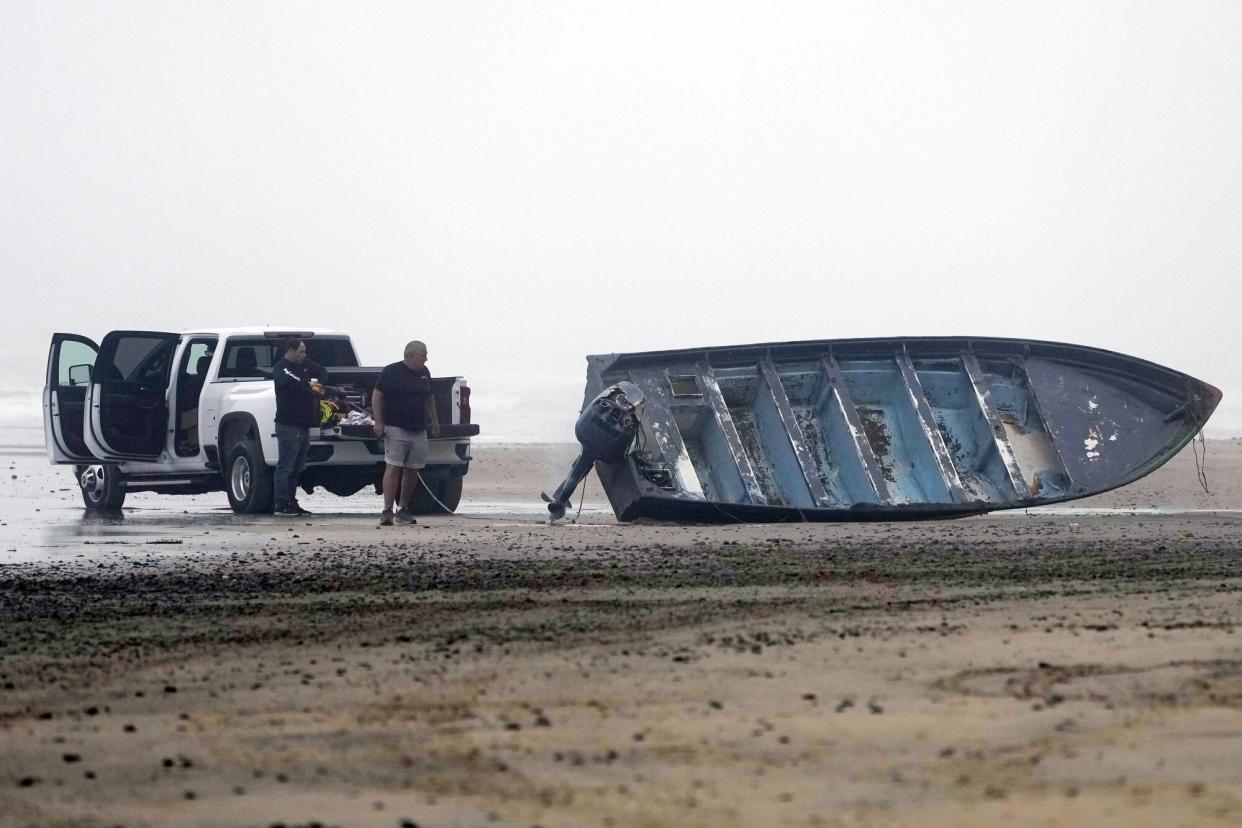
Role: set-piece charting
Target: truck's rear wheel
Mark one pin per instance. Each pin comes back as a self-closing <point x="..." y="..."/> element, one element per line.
<point x="450" y="492"/>
<point x="247" y="479"/>
<point x="447" y="492"/>
<point x="102" y="487"/>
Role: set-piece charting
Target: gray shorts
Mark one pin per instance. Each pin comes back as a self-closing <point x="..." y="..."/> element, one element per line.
<point x="407" y="449"/>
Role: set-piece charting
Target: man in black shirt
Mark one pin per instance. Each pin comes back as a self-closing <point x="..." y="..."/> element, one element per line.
<point x="405" y="413"/>
<point x="297" y="411"/>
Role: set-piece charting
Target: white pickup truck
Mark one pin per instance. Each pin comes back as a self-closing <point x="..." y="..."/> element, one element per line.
<point x="193" y="412"/>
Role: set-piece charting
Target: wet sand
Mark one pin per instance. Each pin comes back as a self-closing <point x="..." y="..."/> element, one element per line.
<point x="181" y="666"/>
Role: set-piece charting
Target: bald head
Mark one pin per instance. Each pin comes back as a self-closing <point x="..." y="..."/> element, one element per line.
<point x="415" y="354"/>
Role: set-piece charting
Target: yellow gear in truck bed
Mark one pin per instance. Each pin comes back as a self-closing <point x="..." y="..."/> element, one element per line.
<point x="328" y="412"/>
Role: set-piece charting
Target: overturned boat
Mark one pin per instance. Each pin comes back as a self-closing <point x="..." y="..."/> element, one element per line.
<point x="874" y="429"/>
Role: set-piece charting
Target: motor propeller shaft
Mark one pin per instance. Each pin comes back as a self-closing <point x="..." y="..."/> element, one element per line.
<point x="605" y="429"/>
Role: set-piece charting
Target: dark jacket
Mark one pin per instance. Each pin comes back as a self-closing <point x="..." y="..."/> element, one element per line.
<point x="296" y="404"/>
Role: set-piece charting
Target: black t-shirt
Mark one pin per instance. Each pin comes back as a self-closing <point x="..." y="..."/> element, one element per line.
<point x="406" y="391"/>
<point x="296" y="404"/>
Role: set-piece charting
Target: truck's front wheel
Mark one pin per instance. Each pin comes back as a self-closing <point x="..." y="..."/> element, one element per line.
<point x="247" y="478"/>
<point x="102" y="487"/>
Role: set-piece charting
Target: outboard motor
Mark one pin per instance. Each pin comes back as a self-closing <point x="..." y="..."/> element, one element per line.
<point x="605" y="429"/>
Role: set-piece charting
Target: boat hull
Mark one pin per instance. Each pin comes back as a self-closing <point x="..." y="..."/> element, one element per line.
<point x="889" y="429"/>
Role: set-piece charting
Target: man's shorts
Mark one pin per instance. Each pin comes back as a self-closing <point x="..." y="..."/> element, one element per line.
<point x="407" y="449"/>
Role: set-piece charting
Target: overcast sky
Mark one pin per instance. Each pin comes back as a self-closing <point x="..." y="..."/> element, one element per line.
<point x="521" y="184"/>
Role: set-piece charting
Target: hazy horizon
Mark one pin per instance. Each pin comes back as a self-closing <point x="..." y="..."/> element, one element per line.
<point x="520" y="185"/>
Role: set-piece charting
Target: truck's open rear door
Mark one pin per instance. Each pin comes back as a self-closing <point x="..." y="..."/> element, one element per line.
<point x="70" y="363"/>
<point x="128" y="399"/>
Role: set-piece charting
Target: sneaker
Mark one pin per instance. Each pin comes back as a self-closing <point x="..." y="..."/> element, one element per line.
<point x="286" y="510"/>
<point x="404" y="517"/>
<point x="386" y="518"/>
<point x="297" y="509"/>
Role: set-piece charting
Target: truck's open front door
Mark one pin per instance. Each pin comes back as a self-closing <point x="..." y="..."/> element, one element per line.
<point x="127" y="405"/>
<point x="70" y="363"/>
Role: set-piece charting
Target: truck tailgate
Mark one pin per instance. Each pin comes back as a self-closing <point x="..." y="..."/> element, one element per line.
<point x="364" y="432"/>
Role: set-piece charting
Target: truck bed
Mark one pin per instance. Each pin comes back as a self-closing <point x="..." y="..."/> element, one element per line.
<point x="359" y="382"/>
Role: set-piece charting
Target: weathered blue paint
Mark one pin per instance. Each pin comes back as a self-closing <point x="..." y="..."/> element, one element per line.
<point x="881" y="429"/>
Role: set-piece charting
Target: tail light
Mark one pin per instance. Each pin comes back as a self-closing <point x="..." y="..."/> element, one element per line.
<point x="463" y="404"/>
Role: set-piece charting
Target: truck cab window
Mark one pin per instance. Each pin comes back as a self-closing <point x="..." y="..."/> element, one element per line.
<point x="253" y="357"/>
<point x="143" y="360"/>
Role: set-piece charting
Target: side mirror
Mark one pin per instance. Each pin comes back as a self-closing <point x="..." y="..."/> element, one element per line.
<point x="79" y="374"/>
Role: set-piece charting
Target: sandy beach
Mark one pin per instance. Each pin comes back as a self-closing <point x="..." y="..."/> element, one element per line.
<point x="179" y="665"/>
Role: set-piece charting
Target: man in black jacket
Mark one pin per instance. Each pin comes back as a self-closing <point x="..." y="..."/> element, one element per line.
<point x="297" y="411"/>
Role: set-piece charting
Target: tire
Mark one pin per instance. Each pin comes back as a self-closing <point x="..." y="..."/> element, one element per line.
<point x="102" y="487"/>
<point x="247" y="479"/>
<point x="447" y="491"/>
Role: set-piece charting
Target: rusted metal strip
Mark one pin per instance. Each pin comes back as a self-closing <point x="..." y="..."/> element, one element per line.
<point x="794" y="432"/>
<point x="711" y="391"/>
<point x="931" y="430"/>
<point x="1000" y="439"/>
<point x="862" y="449"/>
<point x="661" y="427"/>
